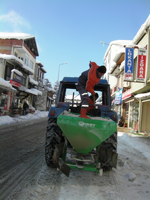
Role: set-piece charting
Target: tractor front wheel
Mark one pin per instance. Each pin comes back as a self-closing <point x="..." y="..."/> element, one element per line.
<point x="53" y="137"/>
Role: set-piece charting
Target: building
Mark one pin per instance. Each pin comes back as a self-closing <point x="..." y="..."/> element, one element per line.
<point x="45" y="101"/>
<point x="18" y="52"/>
<point x="134" y="104"/>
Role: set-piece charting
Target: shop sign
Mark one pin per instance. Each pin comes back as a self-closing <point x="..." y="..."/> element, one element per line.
<point x="141" y="65"/>
<point x="17" y="78"/>
<point x="15" y="83"/>
<point x="128" y="75"/>
<point x="126" y="94"/>
<point x="118" y="97"/>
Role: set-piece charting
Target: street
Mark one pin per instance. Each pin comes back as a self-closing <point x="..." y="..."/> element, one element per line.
<point x="25" y="175"/>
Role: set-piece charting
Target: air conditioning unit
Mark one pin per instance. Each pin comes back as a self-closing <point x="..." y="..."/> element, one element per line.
<point x="126" y="84"/>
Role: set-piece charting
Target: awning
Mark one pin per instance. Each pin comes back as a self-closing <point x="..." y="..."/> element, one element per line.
<point x="50" y="98"/>
<point x="37" y="91"/>
<point x="33" y="81"/>
<point x="28" y="69"/>
<point x="6" y="86"/>
<point x="142" y="95"/>
<point x="29" y="91"/>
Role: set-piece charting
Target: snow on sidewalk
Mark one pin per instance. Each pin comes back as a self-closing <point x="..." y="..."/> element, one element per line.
<point x="20" y="118"/>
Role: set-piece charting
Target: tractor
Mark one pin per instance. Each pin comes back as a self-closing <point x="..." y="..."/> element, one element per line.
<point x="73" y="142"/>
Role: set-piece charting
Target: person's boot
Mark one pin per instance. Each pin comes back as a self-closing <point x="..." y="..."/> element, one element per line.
<point x="83" y="113"/>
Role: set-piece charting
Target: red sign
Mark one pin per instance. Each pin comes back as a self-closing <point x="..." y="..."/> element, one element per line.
<point x="141" y="65"/>
<point x="126" y="94"/>
<point x="15" y="83"/>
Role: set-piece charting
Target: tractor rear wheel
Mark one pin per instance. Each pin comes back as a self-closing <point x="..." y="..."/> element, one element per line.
<point x="108" y="152"/>
<point x="53" y="137"/>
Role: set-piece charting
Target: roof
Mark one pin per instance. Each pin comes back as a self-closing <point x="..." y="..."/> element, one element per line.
<point x="39" y="63"/>
<point x="142" y="30"/>
<point x="75" y="80"/>
<point x="18" y="36"/>
<point x="29" y="40"/>
<point x="119" y="43"/>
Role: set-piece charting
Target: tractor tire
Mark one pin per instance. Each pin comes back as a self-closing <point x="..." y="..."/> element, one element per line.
<point x="108" y="151"/>
<point x="53" y="137"/>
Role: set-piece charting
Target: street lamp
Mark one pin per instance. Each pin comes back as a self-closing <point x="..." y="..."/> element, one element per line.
<point x="59" y="70"/>
<point x="104" y="43"/>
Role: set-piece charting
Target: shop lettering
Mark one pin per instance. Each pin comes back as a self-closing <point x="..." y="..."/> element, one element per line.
<point x="129" y="60"/>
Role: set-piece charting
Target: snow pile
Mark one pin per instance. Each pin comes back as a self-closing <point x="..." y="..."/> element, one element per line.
<point x="20" y="118"/>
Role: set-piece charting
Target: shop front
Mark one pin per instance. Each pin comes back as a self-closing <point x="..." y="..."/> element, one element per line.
<point x="130" y="110"/>
<point x="7" y="94"/>
<point x="144" y="112"/>
<point x="118" y="103"/>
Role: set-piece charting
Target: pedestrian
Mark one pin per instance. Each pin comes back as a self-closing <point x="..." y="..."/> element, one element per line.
<point x="86" y="82"/>
<point x="25" y="106"/>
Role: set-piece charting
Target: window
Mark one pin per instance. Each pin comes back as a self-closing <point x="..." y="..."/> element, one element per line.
<point x="16" y="54"/>
<point x="31" y="64"/>
<point x="8" y="72"/>
<point x="26" y="60"/>
<point x="24" y="80"/>
<point x="41" y="75"/>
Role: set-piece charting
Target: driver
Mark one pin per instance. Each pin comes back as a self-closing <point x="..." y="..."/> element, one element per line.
<point x="86" y="82"/>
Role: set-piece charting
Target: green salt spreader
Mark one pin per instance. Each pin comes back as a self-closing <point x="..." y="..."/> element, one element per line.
<point x="85" y="134"/>
<point x="85" y="137"/>
<point x="80" y="143"/>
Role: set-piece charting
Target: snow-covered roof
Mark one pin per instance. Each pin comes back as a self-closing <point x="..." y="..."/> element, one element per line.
<point x="38" y="62"/>
<point x="22" y="36"/>
<point x="33" y="81"/>
<point x="6" y="85"/>
<point x="12" y="57"/>
<point x="50" y="98"/>
<point x="19" y="36"/>
<point x="122" y="65"/>
<point x="49" y="89"/>
<point x="142" y="30"/>
<point x="142" y="95"/>
<point x="42" y="68"/>
<point x="118" y="54"/>
<point x="118" y="43"/>
<point x="17" y="72"/>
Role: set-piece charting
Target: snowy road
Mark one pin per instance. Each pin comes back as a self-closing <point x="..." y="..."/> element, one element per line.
<point x="24" y="174"/>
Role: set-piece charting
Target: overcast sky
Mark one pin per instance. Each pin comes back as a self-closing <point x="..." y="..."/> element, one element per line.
<point x="71" y="30"/>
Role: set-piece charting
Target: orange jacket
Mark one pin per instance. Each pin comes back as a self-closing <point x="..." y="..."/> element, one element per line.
<point x="92" y="78"/>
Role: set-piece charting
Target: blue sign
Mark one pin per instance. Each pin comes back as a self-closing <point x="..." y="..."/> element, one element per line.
<point x="17" y="78"/>
<point x="128" y="75"/>
<point x="118" y="97"/>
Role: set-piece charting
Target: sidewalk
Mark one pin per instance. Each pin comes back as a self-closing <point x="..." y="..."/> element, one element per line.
<point x="129" y="131"/>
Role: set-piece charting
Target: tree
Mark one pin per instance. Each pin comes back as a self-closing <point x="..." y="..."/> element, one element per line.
<point x="56" y="87"/>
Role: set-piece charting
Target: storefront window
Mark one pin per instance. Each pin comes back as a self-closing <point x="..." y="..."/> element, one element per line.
<point x="3" y="99"/>
<point x="134" y="114"/>
<point x="126" y="112"/>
